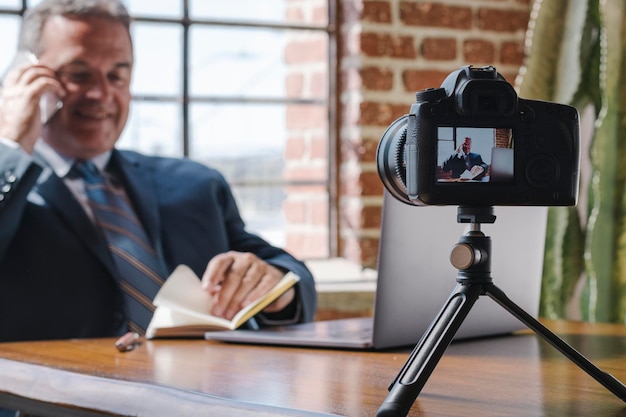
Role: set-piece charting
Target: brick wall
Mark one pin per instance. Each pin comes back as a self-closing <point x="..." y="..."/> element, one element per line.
<point x="389" y="49"/>
<point x="306" y="207"/>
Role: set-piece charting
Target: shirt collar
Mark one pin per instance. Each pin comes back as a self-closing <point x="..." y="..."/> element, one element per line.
<point x="61" y="164"/>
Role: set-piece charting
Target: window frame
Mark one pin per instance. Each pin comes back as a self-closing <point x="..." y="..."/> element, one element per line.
<point x="186" y="98"/>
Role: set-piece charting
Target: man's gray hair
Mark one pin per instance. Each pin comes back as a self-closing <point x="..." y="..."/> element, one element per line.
<point x="35" y="18"/>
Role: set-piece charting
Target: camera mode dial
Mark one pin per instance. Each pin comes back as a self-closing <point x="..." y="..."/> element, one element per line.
<point x="430" y="94"/>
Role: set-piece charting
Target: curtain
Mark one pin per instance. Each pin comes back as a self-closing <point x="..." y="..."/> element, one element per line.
<point x="576" y="55"/>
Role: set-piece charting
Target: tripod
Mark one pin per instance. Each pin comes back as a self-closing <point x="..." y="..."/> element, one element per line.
<point x="472" y="257"/>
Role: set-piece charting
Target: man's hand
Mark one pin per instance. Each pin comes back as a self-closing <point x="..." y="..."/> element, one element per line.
<point x="235" y="279"/>
<point x="22" y="89"/>
<point x="477" y="170"/>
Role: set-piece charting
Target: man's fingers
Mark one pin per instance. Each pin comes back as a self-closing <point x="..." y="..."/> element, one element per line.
<point x="216" y="272"/>
<point x="236" y="279"/>
<point x="247" y="279"/>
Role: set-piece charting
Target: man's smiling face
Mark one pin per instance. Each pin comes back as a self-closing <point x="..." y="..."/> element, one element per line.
<point x="93" y="60"/>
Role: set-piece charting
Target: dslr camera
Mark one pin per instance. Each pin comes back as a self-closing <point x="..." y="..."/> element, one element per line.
<point x="473" y="142"/>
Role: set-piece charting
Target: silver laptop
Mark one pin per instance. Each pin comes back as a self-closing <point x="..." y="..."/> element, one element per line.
<point x="415" y="278"/>
<point x="502" y="165"/>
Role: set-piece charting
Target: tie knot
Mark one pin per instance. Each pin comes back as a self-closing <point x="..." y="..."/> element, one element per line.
<point x="87" y="170"/>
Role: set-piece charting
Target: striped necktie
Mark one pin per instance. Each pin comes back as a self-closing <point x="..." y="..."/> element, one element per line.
<point x="139" y="270"/>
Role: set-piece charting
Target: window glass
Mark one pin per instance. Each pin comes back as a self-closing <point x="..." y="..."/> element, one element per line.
<point x="244" y="141"/>
<point x="161" y="8"/>
<point x="158" y="59"/>
<point x="250" y="63"/>
<point x="258" y="62"/>
<point x="262" y="210"/>
<point x="268" y="10"/>
<point x="153" y="128"/>
<point x="9" y="27"/>
<point x="11" y="4"/>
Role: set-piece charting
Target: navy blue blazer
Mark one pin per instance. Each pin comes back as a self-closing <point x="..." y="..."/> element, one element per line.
<point x="56" y="276"/>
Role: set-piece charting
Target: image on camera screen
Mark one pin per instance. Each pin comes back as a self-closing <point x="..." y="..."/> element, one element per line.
<point x="474" y="154"/>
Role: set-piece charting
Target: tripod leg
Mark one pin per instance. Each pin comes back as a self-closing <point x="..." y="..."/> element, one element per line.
<point x="608" y="380"/>
<point x="429" y="350"/>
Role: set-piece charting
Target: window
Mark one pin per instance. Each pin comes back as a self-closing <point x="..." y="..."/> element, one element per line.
<point x="243" y="86"/>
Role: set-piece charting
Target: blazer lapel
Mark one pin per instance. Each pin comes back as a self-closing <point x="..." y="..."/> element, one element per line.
<point x="54" y="191"/>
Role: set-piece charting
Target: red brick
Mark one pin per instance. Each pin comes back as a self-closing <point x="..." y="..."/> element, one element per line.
<point x="359" y="217"/>
<point x="362" y="184"/>
<point x="294" y="148"/>
<point x="308" y="245"/>
<point x="376" y="11"/>
<point x="376" y="78"/>
<point x="295" y="211"/>
<point x="369" y="251"/>
<point x="304" y="51"/>
<point x="383" y="44"/>
<point x="319" y="84"/>
<point x="363" y="151"/>
<point x="305" y="190"/>
<point x="509" y="76"/>
<point x="478" y="52"/>
<point x="512" y="53"/>
<point x="312" y="211"/>
<point x="435" y="15"/>
<point x="294" y="85"/>
<point x="304" y="173"/>
<point x="361" y="250"/>
<point x="381" y="114"/>
<point x="320" y="14"/>
<point x="319" y="148"/>
<point x="418" y="80"/>
<point x="294" y="14"/>
<point x="439" y="49"/>
<point x="319" y="212"/>
<point x="503" y="20"/>
<point x="370" y="184"/>
<point x="370" y="217"/>
<point x="306" y="117"/>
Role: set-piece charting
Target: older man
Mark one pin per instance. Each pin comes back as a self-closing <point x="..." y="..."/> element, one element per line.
<point x="62" y="274"/>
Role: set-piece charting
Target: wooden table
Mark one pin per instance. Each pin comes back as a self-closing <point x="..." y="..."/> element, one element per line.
<point x="516" y="375"/>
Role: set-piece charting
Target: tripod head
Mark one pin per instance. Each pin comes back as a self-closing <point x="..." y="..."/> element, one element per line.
<point x="472" y="255"/>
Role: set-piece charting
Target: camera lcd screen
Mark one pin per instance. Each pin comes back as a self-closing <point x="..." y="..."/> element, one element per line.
<point x="474" y="155"/>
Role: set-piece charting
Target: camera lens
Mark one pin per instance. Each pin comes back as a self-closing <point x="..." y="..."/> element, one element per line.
<point x="390" y="159"/>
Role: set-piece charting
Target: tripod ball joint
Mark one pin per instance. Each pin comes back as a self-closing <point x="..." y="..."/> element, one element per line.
<point x="464" y="256"/>
<point x="471" y="257"/>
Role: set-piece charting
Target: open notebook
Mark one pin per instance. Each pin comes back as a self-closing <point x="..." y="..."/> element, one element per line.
<point x="415" y="278"/>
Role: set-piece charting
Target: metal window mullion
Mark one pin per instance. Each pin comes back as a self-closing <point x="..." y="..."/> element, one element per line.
<point x="185" y="81"/>
<point x="333" y="133"/>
